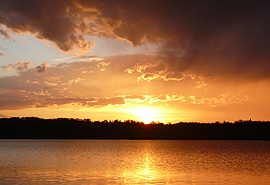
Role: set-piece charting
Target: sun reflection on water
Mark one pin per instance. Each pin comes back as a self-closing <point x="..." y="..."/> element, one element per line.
<point x="133" y="162"/>
<point x="143" y="169"/>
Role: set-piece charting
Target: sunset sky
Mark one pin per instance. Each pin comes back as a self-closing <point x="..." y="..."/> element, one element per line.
<point x="145" y="60"/>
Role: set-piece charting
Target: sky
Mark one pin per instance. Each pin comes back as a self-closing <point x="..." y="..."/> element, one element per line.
<point x="166" y="61"/>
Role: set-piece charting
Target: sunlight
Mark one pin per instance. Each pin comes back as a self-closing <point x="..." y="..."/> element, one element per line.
<point x="147" y="114"/>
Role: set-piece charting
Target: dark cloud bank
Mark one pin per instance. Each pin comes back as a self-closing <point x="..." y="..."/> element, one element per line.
<point x="222" y="36"/>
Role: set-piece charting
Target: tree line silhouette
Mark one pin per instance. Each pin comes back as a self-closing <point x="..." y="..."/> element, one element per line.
<point x="66" y="128"/>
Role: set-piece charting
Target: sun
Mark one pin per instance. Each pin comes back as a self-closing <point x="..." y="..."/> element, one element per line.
<point x="146" y="114"/>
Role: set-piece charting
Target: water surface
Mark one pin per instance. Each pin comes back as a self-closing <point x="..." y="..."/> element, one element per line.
<point x="134" y="162"/>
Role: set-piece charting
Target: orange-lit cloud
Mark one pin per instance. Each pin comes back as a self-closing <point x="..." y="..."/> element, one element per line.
<point x="165" y="70"/>
<point x="224" y="99"/>
<point x="18" y="66"/>
<point x="167" y="98"/>
<point x="136" y="98"/>
<point x="70" y="85"/>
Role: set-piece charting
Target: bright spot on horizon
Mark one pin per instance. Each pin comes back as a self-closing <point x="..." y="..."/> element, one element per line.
<point x="147" y="114"/>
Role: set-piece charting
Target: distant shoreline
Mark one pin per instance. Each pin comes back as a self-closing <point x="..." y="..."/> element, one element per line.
<point x="64" y="128"/>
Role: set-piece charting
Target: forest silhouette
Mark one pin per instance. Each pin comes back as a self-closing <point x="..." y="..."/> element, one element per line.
<point x="69" y="128"/>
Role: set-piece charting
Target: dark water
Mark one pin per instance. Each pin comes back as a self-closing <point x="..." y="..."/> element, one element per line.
<point x="134" y="162"/>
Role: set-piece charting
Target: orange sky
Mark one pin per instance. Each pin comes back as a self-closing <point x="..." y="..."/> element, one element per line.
<point x="168" y="61"/>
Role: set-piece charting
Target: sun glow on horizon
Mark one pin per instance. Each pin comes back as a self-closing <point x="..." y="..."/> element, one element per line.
<point x="147" y="114"/>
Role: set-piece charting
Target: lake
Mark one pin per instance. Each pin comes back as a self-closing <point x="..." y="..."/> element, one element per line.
<point x="134" y="162"/>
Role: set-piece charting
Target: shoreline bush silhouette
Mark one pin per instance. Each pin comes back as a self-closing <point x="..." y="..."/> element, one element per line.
<point x="69" y="128"/>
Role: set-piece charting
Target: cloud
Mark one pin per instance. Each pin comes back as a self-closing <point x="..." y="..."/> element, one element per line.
<point x="211" y="36"/>
<point x="5" y="33"/>
<point x="135" y="98"/>
<point x="7" y="68"/>
<point x="42" y="67"/>
<point x="227" y="29"/>
<point x="150" y="99"/>
<point x="18" y="66"/>
<point x="22" y="65"/>
<point x="102" y="65"/>
<point x="84" y="102"/>
<point x="81" y="58"/>
<point x="1" y="54"/>
<point x="167" y="98"/>
<point x="72" y="81"/>
<point x="41" y="99"/>
<point x="58" y="22"/>
<point x="88" y="58"/>
<point x="68" y="85"/>
<point x="224" y="99"/>
<point x="62" y="84"/>
<point x="4" y="116"/>
<point x="106" y="102"/>
<point x="166" y="69"/>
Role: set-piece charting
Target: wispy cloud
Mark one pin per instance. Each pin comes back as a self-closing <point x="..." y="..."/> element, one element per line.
<point x="81" y="58"/>
<point x="167" y="98"/>
<point x="18" y="66"/>
<point x="1" y="48"/>
<point x="224" y="99"/>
